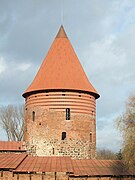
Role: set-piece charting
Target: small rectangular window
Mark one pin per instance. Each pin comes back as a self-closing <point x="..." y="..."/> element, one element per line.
<point x="33" y="116"/>
<point x="67" y="113"/>
<point x="2" y="174"/>
<point x="90" y="137"/>
<point x="63" y="135"/>
<point x="53" y="150"/>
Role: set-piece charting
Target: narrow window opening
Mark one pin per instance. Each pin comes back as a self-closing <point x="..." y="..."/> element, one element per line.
<point x="79" y="95"/>
<point x="17" y="176"/>
<point x="63" y="94"/>
<point x="40" y="123"/>
<point x="53" y="150"/>
<point x="63" y="135"/>
<point x="42" y="176"/>
<point x="26" y="109"/>
<point x="1" y="173"/>
<point x="90" y="137"/>
<point x="33" y="116"/>
<point x="67" y="113"/>
<point x="30" y="176"/>
<point x="55" y="175"/>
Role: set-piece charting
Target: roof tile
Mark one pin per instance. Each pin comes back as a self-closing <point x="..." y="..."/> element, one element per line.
<point x="45" y="164"/>
<point x="87" y="167"/>
<point x="11" y="161"/>
<point x="12" y="146"/>
<point x="99" y="167"/>
<point x="61" y="69"/>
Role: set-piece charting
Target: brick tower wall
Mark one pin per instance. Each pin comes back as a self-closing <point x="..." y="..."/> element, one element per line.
<point x="46" y="122"/>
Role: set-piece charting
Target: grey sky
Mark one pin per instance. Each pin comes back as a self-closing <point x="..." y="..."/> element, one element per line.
<point x="102" y="34"/>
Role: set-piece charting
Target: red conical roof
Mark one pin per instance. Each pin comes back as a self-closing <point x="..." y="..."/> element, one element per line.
<point x="61" y="69"/>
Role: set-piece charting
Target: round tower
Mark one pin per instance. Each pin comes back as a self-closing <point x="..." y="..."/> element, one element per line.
<point x="60" y="105"/>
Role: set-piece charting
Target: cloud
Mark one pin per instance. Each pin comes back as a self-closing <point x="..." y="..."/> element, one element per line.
<point x="14" y="79"/>
<point x="107" y="132"/>
<point x="3" y="65"/>
<point x="102" y="34"/>
<point x="23" y="66"/>
<point x="109" y="61"/>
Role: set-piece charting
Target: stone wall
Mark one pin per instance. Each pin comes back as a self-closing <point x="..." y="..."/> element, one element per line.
<point x="7" y="175"/>
<point x="43" y="134"/>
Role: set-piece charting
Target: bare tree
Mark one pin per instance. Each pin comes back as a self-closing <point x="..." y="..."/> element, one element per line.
<point x="105" y="154"/>
<point x="12" y="121"/>
<point x="126" y="125"/>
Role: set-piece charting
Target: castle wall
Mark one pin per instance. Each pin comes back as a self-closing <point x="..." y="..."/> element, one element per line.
<point x="7" y="175"/>
<point x="43" y="134"/>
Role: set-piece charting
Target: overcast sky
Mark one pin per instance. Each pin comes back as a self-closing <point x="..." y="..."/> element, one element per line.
<point x="102" y="33"/>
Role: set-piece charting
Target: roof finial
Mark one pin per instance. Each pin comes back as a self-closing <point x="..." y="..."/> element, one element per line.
<point x="61" y="33"/>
